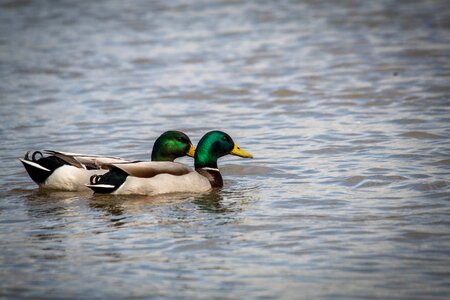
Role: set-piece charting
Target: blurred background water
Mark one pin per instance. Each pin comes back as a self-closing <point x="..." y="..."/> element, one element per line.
<point x="345" y="106"/>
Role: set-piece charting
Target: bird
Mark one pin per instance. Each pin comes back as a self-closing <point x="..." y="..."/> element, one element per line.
<point x="66" y="171"/>
<point x="153" y="178"/>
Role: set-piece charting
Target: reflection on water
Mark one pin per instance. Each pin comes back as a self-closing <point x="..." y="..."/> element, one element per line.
<point x="344" y="105"/>
<point x="211" y="202"/>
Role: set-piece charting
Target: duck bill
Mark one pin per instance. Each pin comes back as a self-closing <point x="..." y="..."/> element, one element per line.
<point x="191" y="151"/>
<point x="239" y="152"/>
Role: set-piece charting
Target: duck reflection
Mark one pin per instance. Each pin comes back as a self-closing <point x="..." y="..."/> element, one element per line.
<point x="220" y="201"/>
<point x="225" y="200"/>
<point x="211" y="202"/>
<point x="48" y="228"/>
<point x="117" y="209"/>
<point x="112" y="208"/>
<point x="47" y="204"/>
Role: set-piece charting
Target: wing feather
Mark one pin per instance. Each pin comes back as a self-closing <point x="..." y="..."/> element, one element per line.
<point x="153" y="168"/>
<point x="87" y="161"/>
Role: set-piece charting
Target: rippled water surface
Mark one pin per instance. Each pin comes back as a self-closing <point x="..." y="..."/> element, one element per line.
<point x="345" y="106"/>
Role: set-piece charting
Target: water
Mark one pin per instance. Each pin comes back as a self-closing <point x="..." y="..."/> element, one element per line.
<point x="345" y="106"/>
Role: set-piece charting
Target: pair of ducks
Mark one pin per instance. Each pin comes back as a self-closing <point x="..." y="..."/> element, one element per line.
<point x="76" y="172"/>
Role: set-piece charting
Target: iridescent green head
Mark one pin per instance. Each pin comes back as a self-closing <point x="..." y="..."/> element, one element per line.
<point x="171" y="145"/>
<point x="214" y="145"/>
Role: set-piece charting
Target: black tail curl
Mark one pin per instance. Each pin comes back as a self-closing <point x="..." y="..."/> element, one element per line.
<point x="48" y="166"/>
<point x="108" y="182"/>
<point x="33" y="156"/>
<point x="96" y="179"/>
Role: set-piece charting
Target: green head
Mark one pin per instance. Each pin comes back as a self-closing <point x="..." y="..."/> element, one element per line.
<point x="171" y="145"/>
<point x="214" y="145"/>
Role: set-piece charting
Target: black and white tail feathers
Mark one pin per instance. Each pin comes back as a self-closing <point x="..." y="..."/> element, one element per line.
<point x="39" y="167"/>
<point x="108" y="182"/>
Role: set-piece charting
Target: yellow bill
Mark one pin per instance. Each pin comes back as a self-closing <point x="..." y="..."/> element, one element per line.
<point x="239" y="152"/>
<point x="191" y="151"/>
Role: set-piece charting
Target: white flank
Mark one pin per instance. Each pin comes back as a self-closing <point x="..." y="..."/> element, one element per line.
<point x="70" y="178"/>
<point x="192" y="182"/>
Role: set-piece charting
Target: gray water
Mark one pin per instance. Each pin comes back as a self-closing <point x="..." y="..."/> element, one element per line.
<point x="345" y="106"/>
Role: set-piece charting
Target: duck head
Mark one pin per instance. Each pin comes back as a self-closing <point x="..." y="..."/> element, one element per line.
<point x="214" y="145"/>
<point x="171" y="145"/>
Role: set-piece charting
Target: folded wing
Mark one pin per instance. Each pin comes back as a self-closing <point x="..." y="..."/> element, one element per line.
<point x="87" y="161"/>
<point x="153" y="168"/>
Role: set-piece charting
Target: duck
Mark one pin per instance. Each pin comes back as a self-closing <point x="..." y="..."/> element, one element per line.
<point x="153" y="178"/>
<point x="65" y="171"/>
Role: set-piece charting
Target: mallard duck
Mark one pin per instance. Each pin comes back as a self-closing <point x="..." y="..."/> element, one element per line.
<point x="151" y="178"/>
<point x="71" y="172"/>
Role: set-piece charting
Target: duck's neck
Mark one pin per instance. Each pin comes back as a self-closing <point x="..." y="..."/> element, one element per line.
<point x="205" y="157"/>
<point x="212" y="174"/>
<point x="158" y="156"/>
<point x="210" y="164"/>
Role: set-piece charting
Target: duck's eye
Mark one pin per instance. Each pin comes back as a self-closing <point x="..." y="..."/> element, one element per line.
<point x="227" y="139"/>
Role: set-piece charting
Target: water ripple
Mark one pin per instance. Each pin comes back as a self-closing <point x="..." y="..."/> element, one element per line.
<point x="344" y="105"/>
